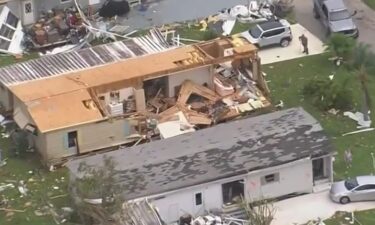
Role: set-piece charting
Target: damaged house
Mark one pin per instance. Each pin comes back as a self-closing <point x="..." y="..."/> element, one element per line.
<point x="130" y="91"/>
<point x="273" y="155"/>
<point x="31" y="10"/>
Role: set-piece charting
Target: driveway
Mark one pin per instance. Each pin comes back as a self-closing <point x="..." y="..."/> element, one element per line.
<point x="365" y="20"/>
<point x="294" y="50"/>
<point x="300" y="210"/>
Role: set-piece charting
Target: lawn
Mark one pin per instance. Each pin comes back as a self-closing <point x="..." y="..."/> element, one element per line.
<point x="370" y="3"/>
<point x="342" y="218"/>
<point x="286" y="82"/>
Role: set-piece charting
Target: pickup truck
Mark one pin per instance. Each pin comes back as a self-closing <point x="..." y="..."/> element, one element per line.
<point x="335" y="17"/>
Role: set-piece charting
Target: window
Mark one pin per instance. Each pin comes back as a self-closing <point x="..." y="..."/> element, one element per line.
<point x="6" y="32"/>
<point x="270" y="178"/>
<point x="28" y="7"/>
<point x="12" y="20"/>
<point x="255" y="32"/>
<point x="4" y="44"/>
<point x="350" y="184"/>
<point x="366" y="187"/>
<point x="72" y="139"/>
<point x="198" y="199"/>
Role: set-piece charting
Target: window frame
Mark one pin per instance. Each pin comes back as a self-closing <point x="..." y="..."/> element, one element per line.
<point x="270" y="178"/>
<point x="72" y="141"/>
<point x="198" y="199"/>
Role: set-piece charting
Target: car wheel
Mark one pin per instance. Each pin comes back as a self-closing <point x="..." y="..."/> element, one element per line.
<point x="284" y="42"/>
<point x="344" y="200"/>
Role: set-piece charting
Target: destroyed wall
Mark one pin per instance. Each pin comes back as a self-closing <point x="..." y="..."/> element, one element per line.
<point x="6" y="98"/>
<point x="90" y="137"/>
<point x="199" y="76"/>
<point x="22" y="118"/>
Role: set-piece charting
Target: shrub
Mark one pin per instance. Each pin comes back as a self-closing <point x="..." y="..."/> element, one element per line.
<point x="326" y="94"/>
<point x="340" y="45"/>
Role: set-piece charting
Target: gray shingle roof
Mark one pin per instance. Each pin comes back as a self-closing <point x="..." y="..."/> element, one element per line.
<point x="218" y="152"/>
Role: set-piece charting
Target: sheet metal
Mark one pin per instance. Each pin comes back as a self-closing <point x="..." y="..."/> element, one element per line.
<point x="69" y="62"/>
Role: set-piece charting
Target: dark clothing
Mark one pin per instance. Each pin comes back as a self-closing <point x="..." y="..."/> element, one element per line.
<point x="304" y="41"/>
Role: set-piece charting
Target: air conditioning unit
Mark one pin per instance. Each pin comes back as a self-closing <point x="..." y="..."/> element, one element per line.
<point x="115" y="108"/>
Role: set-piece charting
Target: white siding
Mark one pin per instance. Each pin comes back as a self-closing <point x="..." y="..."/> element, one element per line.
<point x="293" y="177"/>
<point x="199" y="75"/>
<point x="174" y="205"/>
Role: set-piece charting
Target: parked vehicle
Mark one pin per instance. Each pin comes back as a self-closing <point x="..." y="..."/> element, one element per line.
<point x="275" y="32"/>
<point x="361" y="188"/>
<point x="335" y="17"/>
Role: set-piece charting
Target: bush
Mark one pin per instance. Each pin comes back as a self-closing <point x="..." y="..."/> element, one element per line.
<point x="326" y="94"/>
<point x="340" y="45"/>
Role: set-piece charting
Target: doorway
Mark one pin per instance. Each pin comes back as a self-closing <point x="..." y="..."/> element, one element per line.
<point x="233" y="191"/>
<point x="28" y="12"/>
<point x="319" y="171"/>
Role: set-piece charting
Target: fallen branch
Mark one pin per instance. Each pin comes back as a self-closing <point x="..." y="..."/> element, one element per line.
<point x="11" y="210"/>
<point x="59" y="196"/>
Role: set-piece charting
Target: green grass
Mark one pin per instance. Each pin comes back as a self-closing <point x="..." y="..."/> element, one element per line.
<point x="364" y="218"/>
<point x="287" y="80"/>
<point x="370" y="3"/>
<point x="7" y="60"/>
<point x="40" y="184"/>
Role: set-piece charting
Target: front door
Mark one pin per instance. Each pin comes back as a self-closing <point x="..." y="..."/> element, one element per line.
<point x="28" y="12"/>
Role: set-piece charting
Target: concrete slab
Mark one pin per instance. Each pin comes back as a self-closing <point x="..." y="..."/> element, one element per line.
<point x="294" y="50"/>
<point x="300" y="210"/>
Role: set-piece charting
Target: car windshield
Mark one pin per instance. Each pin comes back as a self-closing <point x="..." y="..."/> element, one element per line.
<point x="350" y="184"/>
<point x="255" y="32"/>
<point x="339" y="15"/>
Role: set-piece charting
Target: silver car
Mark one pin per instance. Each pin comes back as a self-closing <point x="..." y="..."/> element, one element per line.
<point x="361" y="188"/>
<point x="335" y="17"/>
<point x="268" y="33"/>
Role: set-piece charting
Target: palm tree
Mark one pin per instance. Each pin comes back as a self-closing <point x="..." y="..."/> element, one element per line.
<point x="340" y="47"/>
<point x="362" y="61"/>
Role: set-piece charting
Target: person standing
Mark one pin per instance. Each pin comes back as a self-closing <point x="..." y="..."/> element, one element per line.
<point x="304" y="41"/>
<point x="348" y="157"/>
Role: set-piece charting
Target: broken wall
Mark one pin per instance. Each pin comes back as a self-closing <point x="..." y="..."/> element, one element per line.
<point x="6" y="98"/>
<point x="92" y="136"/>
<point x="199" y="75"/>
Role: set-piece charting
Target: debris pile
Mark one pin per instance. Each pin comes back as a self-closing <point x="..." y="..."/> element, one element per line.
<point x="54" y="28"/>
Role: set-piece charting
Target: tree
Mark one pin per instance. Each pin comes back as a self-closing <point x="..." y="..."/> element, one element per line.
<point x="340" y="46"/>
<point x="98" y="195"/>
<point x="362" y="61"/>
<point x="258" y="213"/>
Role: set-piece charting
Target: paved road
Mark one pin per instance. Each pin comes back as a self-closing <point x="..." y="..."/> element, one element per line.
<point x="365" y="20"/>
<point x="311" y="207"/>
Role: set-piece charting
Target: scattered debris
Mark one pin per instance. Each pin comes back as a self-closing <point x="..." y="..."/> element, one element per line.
<point x="359" y="131"/>
<point x="360" y="118"/>
<point x="333" y="111"/>
<point x="3" y="187"/>
<point x="22" y="188"/>
<point x="11" y="210"/>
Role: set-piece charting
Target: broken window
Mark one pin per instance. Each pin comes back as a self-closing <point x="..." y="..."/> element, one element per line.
<point x="6" y="32"/>
<point x="12" y="20"/>
<point x="270" y="178"/>
<point x="72" y="139"/>
<point x="198" y="199"/>
<point x="4" y="44"/>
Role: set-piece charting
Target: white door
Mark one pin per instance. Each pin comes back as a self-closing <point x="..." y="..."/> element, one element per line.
<point x="28" y="12"/>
